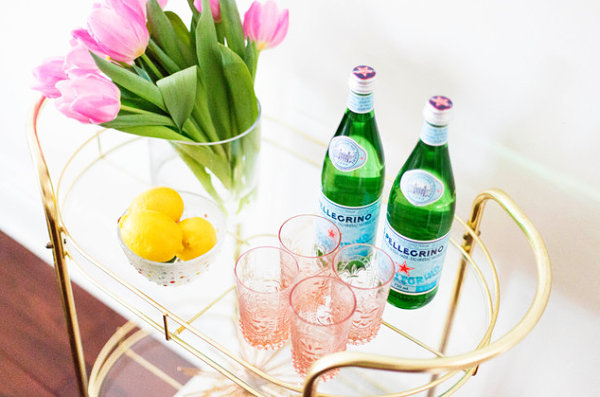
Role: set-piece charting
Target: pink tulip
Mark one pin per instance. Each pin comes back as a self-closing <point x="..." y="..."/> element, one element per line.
<point x="89" y="98"/>
<point x="215" y="8"/>
<point x="140" y="5"/>
<point x="78" y="60"/>
<point x="265" y="24"/>
<point x="47" y="75"/>
<point x="116" y="29"/>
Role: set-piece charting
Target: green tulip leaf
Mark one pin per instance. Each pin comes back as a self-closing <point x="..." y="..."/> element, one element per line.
<point x="195" y="13"/>
<point x="251" y="58"/>
<point x="201" y="110"/>
<point x="211" y="69"/>
<point x="163" y="33"/>
<point x="233" y="26"/>
<point x="133" y="120"/>
<point x="142" y="73"/>
<point x="179" y="94"/>
<point x="130" y="81"/>
<point x="155" y="131"/>
<point x="184" y="40"/>
<point x="159" y="55"/>
<point x="241" y="89"/>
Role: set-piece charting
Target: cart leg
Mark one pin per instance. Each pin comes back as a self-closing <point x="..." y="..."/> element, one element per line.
<point x="68" y="303"/>
<point x="467" y="245"/>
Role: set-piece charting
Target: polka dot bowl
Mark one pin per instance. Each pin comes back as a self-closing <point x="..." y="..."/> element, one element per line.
<point x="182" y="272"/>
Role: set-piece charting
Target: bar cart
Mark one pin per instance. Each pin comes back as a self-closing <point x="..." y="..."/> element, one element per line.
<point x="81" y="210"/>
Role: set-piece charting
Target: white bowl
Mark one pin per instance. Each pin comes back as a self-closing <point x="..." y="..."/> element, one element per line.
<point x="182" y="272"/>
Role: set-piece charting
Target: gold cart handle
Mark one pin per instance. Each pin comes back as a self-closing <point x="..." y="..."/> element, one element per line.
<point x="474" y="358"/>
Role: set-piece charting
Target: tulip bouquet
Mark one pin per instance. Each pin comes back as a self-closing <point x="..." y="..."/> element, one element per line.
<point x="141" y="70"/>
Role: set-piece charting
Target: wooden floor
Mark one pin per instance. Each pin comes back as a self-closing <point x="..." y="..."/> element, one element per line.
<point x="35" y="358"/>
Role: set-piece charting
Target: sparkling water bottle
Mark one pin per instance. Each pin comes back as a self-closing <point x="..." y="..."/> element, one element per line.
<point x="420" y="212"/>
<point x="353" y="171"/>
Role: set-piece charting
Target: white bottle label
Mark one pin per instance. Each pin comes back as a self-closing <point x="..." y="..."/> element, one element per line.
<point x="345" y="154"/>
<point x="418" y="263"/>
<point x="358" y="103"/>
<point x="421" y="187"/>
<point x="434" y="135"/>
<point x="357" y="224"/>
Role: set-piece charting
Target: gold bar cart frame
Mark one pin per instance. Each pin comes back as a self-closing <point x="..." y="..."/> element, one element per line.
<point x="446" y="366"/>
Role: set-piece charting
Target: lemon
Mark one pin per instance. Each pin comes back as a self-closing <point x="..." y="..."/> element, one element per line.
<point x="151" y="235"/>
<point x="161" y="199"/>
<point x="199" y="237"/>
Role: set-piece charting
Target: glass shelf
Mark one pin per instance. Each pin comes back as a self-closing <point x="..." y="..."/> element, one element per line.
<point x="107" y="171"/>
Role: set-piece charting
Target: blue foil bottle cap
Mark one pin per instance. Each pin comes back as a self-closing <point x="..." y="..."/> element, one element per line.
<point x="438" y="110"/>
<point x="362" y="79"/>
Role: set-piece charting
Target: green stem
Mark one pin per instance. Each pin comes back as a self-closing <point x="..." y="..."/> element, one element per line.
<point x="152" y="66"/>
<point x="194" y="131"/>
<point x="166" y="62"/>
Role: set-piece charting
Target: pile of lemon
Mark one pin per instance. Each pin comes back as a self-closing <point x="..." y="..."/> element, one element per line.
<point x="153" y="230"/>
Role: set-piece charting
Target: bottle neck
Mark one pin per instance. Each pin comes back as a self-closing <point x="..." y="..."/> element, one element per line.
<point x="360" y="103"/>
<point x="434" y="135"/>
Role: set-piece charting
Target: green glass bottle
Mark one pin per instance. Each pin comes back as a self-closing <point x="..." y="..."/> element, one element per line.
<point x="420" y="212"/>
<point x="353" y="170"/>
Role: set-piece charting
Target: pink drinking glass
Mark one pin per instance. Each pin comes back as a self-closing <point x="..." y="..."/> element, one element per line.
<point x="369" y="271"/>
<point x="264" y="277"/>
<point x="322" y="309"/>
<point x="313" y="240"/>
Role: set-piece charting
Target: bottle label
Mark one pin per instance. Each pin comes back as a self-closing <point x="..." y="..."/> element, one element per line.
<point x="418" y="263"/>
<point x="360" y="103"/>
<point x="434" y="135"/>
<point x="357" y="224"/>
<point x="346" y="154"/>
<point x="420" y="187"/>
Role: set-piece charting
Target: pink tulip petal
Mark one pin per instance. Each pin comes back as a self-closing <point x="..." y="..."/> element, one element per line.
<point x="215" y="8"/>
<point x="268" y="21"/>
<point x="96" y="109"/>
<point x="120" y="38"/>
<point x="250" y="19"/>
<point x="47" y="75"/>
<point x="265" y="24"/>
<point x="87" y="40"/>
<point x="282" y="29"/>
<point x="89" y="98"/>
<point x="78" y="60"/>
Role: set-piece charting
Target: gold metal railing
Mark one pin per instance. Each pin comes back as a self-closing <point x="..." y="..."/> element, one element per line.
<point x="173" y="327"/>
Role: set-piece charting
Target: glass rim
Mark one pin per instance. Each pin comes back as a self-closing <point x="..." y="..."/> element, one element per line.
<point x="346" y="318"/>
<point x="311" y="216"/>
<point x="228" y="140"/>
<point x="389" y="280"/>
<point x="261" y="247"/>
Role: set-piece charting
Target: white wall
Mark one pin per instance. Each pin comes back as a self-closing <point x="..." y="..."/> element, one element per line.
<point x="523" y="77"/>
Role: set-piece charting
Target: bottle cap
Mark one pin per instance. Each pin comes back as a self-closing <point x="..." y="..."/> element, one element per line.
<point x="362" y="79"/>
<point x="438" y="110"/>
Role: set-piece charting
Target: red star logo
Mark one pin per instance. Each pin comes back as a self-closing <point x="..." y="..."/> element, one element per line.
<point x="366" y="71"/>
<point x="332" y="233"/>
<point x="440" y="102"/>
<point x="405" y="269"/>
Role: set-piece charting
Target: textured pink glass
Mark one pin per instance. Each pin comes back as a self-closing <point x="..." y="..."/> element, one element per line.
<point x="369" y="271"/>
<point x="264" y="277"/>
<point x="313" y="240"/>
<point x="322" y="309"/>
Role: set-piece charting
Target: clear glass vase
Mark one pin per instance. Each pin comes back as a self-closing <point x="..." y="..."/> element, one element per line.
<point x="226" y="171"/>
